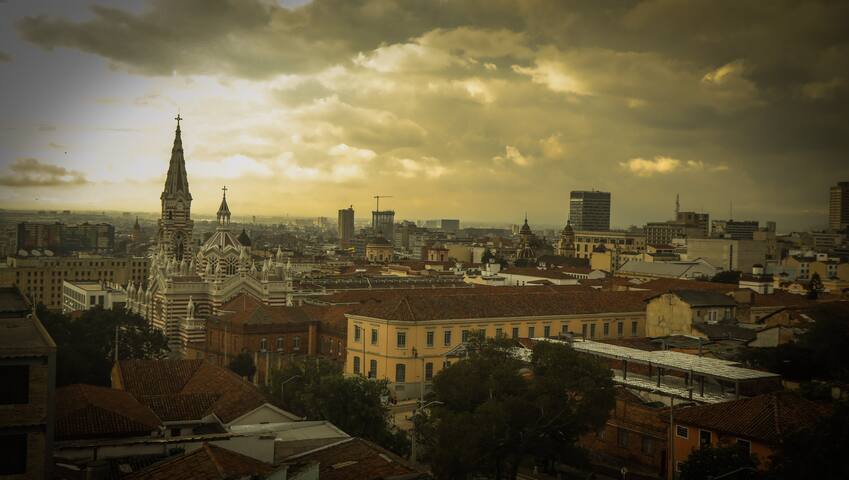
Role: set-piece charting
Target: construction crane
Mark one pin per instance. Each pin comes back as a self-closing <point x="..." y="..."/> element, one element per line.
<point x="377" y="199"/>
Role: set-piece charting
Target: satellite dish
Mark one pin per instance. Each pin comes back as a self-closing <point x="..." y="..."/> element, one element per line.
<point x="36" y="253"/>
<point x="23" y="253"/>
<point x="48" y="253"/>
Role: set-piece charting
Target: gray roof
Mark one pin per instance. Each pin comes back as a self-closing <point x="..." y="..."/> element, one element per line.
<point x="681" y="269"/>
<point x="703" y="298"/>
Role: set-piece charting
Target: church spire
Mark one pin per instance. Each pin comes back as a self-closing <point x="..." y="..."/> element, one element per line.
<point x="177" y="182"/>
<point x="223" y="214"/>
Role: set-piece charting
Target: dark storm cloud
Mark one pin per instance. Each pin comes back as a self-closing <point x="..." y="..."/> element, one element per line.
<point x="30" y="172"/>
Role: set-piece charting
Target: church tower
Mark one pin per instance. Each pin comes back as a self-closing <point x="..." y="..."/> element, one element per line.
<point x="175" y="224"/>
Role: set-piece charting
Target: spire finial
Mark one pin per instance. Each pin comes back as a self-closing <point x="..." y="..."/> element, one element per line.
<point x="224" y="189"/>
<point x="178" y="118"/>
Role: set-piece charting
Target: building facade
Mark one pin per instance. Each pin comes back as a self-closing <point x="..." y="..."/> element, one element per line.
<point x="590" y="210"/>
<point x="838" y="207"/>
<point x="410" y="338"/>
<point x="345" y="226"/>
<point x="728" y="254"/>
<point x="587" y="241"/>
<point x="40" y="277"/>
<point x="383" y="223"/>
<point x="79" y="296"/>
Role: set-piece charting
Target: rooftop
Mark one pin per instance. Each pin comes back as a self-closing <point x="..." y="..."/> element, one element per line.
<point x="355" y="458"/>
<point x="209" y="462"/>
<point x="13" y="303"/>
<point x="88" y="411"/>
<point x="764" y="417"/>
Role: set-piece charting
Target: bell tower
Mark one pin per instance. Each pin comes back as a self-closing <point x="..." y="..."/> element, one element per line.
<point x="175" y="223"/>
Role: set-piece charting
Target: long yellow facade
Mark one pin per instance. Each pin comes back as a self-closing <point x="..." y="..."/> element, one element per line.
<point x="405" y="353"/>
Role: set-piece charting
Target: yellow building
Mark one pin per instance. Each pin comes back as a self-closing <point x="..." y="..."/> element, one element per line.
<point x="586" y="241"/>
<point x="679" y="312"/>
<point x="409" y="338"/>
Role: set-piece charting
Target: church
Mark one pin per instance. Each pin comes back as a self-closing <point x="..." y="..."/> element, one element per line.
<point x="185" y="287"/>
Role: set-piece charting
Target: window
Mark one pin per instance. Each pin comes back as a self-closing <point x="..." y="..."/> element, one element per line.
<point x="402" y="339"/>
<point x="14" y="458"/>
<point x="280" y="344"/>
<point x="372" y="369"/>
<point x="464" y="335"/>
<point x="515" y="333"/>
<point x="374" y="336"/>
<point x="531" y="332"/>
<point x="745" y="445"/>
<point x="647" y="446"/>
<point x="704" y="438"/>
<point x="263" y="344"/>
<point x="357" y="365"/>
<point x="175" y="432"/>
<point x="592" y="330"/>
<point x="606" y="329"/>
<point x="296" y="343"/>
<point x="447" y="337"/>
<point x="634" y="328"/>
<point x="682" y="432"/>
<point x="499" y="332"/>
<point x="429" y="336"/>
<point x="546" y="331"/>
<point x="620" y="329"/>
<point x="15" y="389"/>
<point x="428" y="371"/>
<point x="400" y="373"/>
<point x="564" y="329"/>
<point x="358" y="333"/>
<point x="446" y="364"/>
<point x="622" y="437"/>
<point x="584" y="330"/>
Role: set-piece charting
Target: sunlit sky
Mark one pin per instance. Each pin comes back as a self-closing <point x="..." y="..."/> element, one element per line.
<point x="480" y="110"/>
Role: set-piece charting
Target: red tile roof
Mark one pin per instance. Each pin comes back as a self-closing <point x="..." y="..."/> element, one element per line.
<point x="765" y="417"/>
<point x="421" y="308"/>
<point x="209" y="462"/>
<point x="355" y="459"/>
<point x="246" y="309"/>
<point x="88" y="411"/>
<point x="197" y="378"/>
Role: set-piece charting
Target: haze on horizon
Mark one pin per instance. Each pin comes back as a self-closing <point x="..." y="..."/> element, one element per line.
<point x="477" y="109"/>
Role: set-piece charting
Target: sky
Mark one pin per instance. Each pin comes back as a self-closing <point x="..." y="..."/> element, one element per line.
<point x="480" y="109"/>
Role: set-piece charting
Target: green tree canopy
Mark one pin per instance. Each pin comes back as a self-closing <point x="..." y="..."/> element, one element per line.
<point x="504" y="411"/>
<point x="727" y="276"/>
<point x="316" y="389"/>
<point x="816" y="452"/>
<point x="86" y="344"/>
<point x="707" y="463"/>
<point x="243" y="365"/>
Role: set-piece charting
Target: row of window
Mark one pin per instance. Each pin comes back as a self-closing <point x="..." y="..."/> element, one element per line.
<point x="400" y="369"/>
<point x="280" y="344"/>
<point x="705" y="438"/>
<point x="588" y="330"/>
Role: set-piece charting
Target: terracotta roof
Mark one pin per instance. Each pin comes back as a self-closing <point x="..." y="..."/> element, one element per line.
<point x="246" y="309"/>
<point x="765" y="417"/>
<point x="555" y="273"/>
<point x="420" y="308"/>
<point x="355" y="459"/>
<point x="181" y="407"/>
<point x="663" y="284"/>
<point x="209" y="462"/>
<point x="388" y="294"/>
<point x="88" y="411"/>
<point x="200" y="379"/>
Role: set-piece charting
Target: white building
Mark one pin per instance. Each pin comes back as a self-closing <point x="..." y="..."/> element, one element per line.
<point x="85" y="295"/>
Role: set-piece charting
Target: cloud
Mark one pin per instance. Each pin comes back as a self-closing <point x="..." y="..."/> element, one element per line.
<point x="824" y="90"/>
<point x="664" y="165"/>
<point x="514" y="156"/>
<point x="428" y="167"/>
<point x="553" y="75"/>
<point x="30" y="172"/>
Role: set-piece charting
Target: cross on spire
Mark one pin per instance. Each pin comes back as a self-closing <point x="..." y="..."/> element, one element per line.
<point x="178" y="118"/>
<point x="224" y="189"/>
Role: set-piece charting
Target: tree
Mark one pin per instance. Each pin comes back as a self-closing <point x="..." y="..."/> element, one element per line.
<point x="503" y="410"/>
<point x="316" y="389"/>
<point x="727" y="276"/>
<point x="243" y="365"/>
<point x="86" y="345"/>
<point x="815" y="286"/>
<point x="709" y="462"/>
<point x="817" y="452"/>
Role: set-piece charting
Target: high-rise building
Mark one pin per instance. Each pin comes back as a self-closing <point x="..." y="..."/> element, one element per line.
<point x="838" y="207"/>
<point x="61" y="238"/>
<point x="734" y="229"/>
<point x="449" y="225"/>
<point x="590" y="210"/>
<point x="346" y="226"/>
<point x="383" y="223"/>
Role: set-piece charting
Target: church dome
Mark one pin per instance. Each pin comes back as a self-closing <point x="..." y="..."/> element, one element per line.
<point x="526" y="229"/>
<point x="244" y="239"/>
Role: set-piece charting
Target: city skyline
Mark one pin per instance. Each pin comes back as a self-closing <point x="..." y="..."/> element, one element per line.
<point x="454" y="113"/>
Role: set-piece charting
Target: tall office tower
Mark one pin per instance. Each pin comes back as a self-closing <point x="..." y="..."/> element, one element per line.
<point x="589" y="210"/>
<point x="383" y="223"/>
<point x="346" y="226"/>
<point x="449" y="225"/>
<point x="838" y="207"/>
